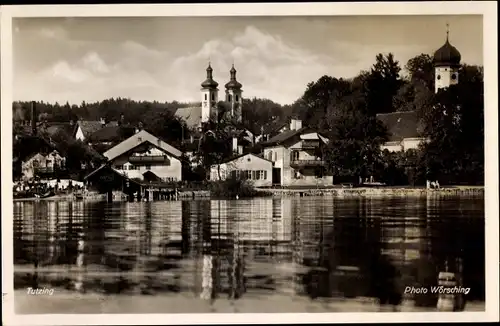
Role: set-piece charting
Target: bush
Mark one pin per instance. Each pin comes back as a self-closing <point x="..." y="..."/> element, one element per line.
<point x="232" y="187"/>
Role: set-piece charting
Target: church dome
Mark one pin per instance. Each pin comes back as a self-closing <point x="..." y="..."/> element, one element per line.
<point x="209" y="82"/>
<point x="233" y="83"/>
<point x="447" y="55"/>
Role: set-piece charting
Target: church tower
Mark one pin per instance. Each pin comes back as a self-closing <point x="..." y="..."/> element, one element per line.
<point x="233" y="95"/>
<point x="209" y="96"/>
<point x="446" y="65"/>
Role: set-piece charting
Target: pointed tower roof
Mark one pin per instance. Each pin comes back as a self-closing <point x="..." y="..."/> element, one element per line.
<point x="209" y="82"/>
<point x="233" y="83"/>
<point x="447" y="55"/>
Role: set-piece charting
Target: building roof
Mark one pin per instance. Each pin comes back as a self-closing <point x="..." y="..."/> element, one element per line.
<point x="88" y="127"/>
<point x="401" y="125"/>
<point x="111" y="133"/>
<point x="191" y="115"/>
<point x="137" y="139"/>
<point x="283" y="136"/>
<point x="274" y="126"/>
<point x="242" y="155"/>
<point x="447" y="55"/>
<point x="65" y="127"/>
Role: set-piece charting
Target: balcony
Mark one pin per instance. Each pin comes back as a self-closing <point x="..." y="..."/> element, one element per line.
<point x="310" y="144"/>
<point x="304" y="163"/>
<point x="157" y="159"/>
<point x="49" y="170"/>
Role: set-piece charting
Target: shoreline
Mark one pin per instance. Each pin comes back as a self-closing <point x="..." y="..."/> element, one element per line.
<point x="376" y="192"/>
<point x="66" y="302"/>
<point x="302" y="192"/>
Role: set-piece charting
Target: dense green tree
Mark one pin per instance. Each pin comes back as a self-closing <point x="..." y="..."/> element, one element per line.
<point x="355" y="138"/>
<point x="382" y="84"/>
<point x="454" y="125"/>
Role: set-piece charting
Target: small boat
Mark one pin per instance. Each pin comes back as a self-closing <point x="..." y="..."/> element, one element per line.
<point x="45" y="195"/>
<point x="78" y="195"/>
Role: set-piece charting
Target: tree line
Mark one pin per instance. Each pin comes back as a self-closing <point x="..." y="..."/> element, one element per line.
<point x="345" y="110"/>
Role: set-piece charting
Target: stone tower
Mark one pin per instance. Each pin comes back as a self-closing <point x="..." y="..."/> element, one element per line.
<point x="446" y="65"/>
<point x="233" y="96"/>
<point x="209" y="96"/>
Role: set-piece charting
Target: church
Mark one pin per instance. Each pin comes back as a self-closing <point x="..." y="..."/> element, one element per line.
<point x="404" y="127"/>
<point x="210" y="102"/>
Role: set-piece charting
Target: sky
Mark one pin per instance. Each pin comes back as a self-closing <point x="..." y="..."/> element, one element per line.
<point x="164" y="58"/>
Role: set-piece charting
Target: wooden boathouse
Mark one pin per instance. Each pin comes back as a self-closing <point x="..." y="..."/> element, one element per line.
<point x="107" y="180"/>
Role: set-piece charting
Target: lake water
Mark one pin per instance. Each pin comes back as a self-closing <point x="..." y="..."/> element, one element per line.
<point x="228" y="250"/>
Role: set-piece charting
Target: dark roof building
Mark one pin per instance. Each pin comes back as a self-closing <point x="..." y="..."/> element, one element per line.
<point x="401" y="125"/>
<point x="110" y="134"/>
<point x="89" y="127"/>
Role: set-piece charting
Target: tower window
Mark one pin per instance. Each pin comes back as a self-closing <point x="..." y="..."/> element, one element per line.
<point x="438" y="77"/>
<point x="236" y="98"/>
<point x="229" y="97"/>
<point x="213" y="96"/>
<point x="454" y="76"/>
<point x="205" y="97"/>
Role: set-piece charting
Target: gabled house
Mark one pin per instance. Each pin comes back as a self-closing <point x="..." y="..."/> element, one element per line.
<point x="110" y="135"/>
<point x="43" y="165"/>
<point x="404" y="131"/>
<point x="249" y="167"/>
<point x="85" y="128"/>
<point x="272" y="129"/>
<point x="147" y="158"/>
<point x="297" y="157"/>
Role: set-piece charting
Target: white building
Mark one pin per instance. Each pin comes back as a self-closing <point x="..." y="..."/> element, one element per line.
<point x="297" y="157"/>
<point x="404" y="127"/>
<point x="245" y="166"/>
<point x="146" y="157"/>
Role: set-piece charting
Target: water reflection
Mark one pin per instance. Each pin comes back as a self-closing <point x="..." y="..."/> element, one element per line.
<point x="223" y="250"/>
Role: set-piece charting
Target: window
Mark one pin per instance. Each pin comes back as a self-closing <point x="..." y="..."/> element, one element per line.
<point x="213" y="96"/>
<point x="148" y="167"/>
<point x="205" y="97"/>
<point x="36" y="163"/>
<point x="275" y="156"/>
<point x="263" y="175"/>
<point x="319" y="173"/>
<point x="229" y="97"/>
<point x="236" y="98"/>
<point x="257" y="175"/>
<point x="125" y="167"/>
<point x="295" y="155"/>
<point x="438" y="77"/>
<point x="454" y="76"/>
<point x="119" y="167"/>
<point x="48" y="163"/>
<point x="270" y="156"/>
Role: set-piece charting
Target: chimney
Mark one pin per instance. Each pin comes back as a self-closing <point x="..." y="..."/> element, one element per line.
<point x="240" y="149"/>
<point x="235" y="145"/>
<point x="33" y="117"/>
<point x="295" y="124"/>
